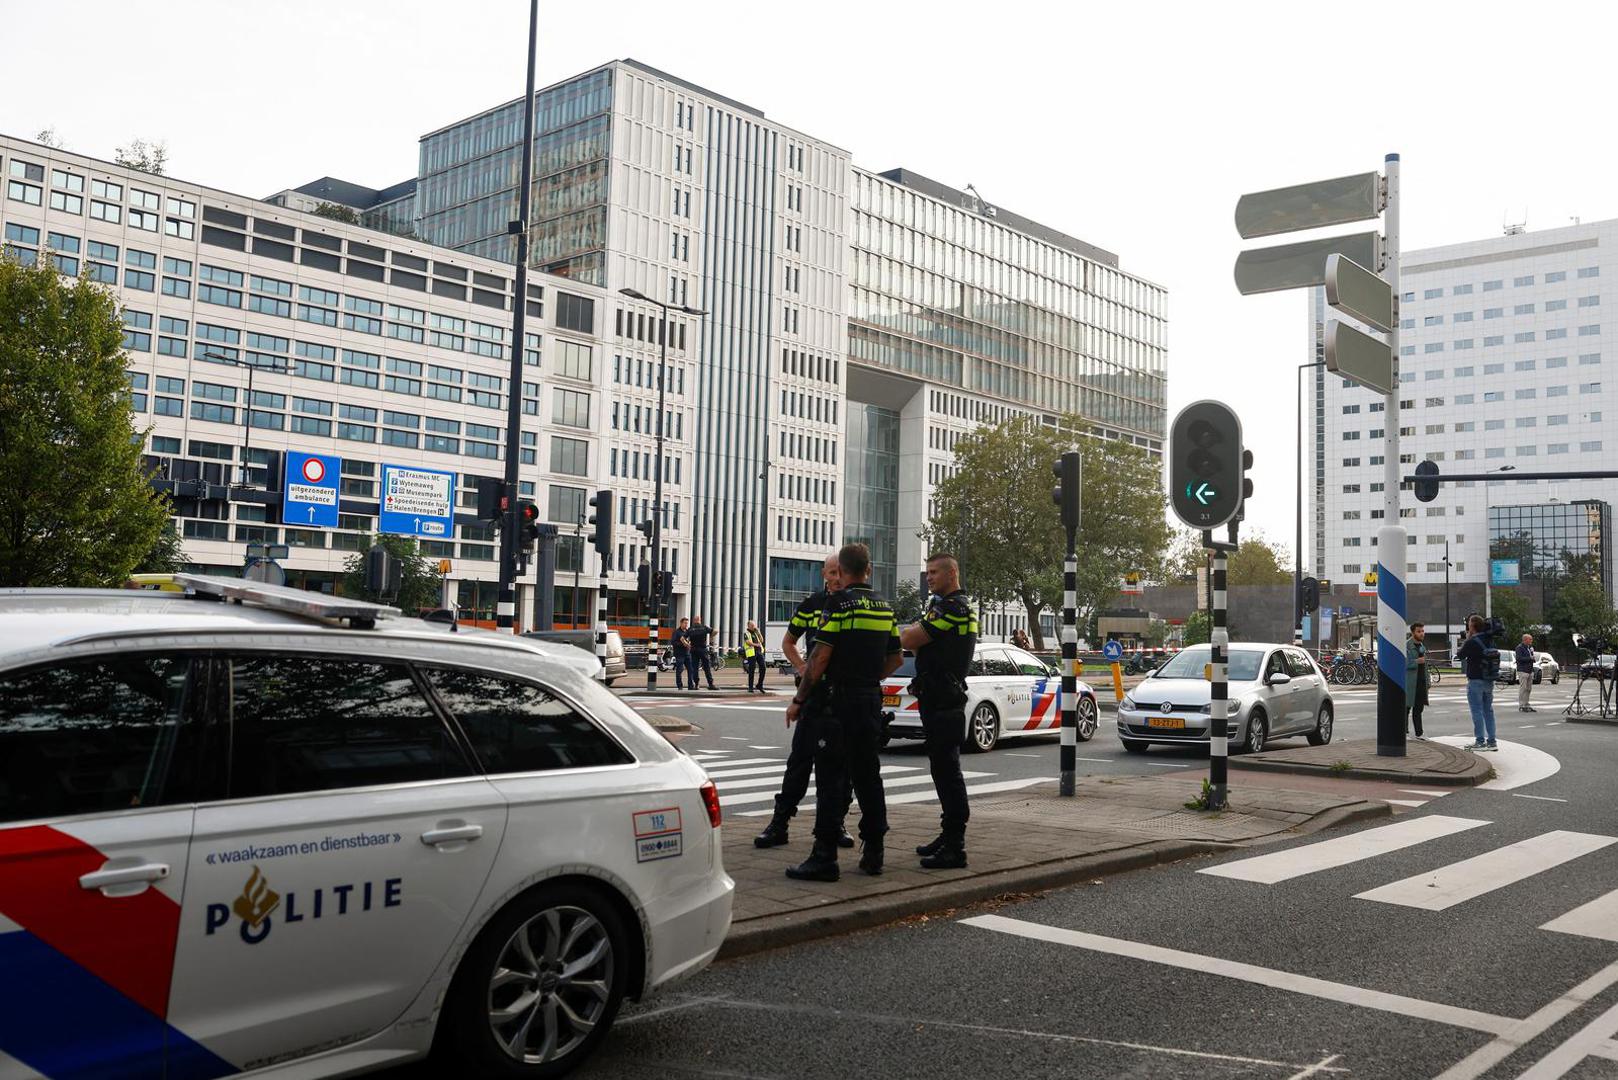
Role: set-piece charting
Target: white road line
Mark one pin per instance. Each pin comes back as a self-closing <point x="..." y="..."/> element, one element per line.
<point x="1597" y="919"/>
<point x="731" y="763"/>
<point x="744" y="708"/>
<point x="1342" y="850"/>
<point x="1608" y="1050"/>
<point x="1103" y="760"/>
<point x="721" y="775"/>
<point x="980" y="789"/>
<point x="751" y="747"/>
<point x="774" y="778"/>
<point x="1527" y="1030"/>
<point x="1010" y="754"/>
<point x="767" y="796"/>
<point x="1167" y="765"/>
<point x="908" y="797"/>
<point x="733" y="738"/>
<point x="1407" y="802"/>
<point x="1398" y="1004"/>
<point x="1515" y="765"/>
<point x="1541" y="798"/>
<point x="1421" y="791"/>
<point x="1471" y="878"/>
<point x="1565" y="1058"/>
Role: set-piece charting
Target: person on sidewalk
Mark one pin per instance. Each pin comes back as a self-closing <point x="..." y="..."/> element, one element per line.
<point x="753" y="657"/>
<point x="1416" y="677"/>
<point x="699" y="636"/>
<point x="944" y="642"/>
<point x="681" y="646"/>
<point x="798" y="643"/>
<point x="1525" y="673"/>
<point x="1476" y="658"/>
<point x="856" y="647"/>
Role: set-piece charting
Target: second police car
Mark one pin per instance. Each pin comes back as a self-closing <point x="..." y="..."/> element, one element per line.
<point x="1009" y="693"/>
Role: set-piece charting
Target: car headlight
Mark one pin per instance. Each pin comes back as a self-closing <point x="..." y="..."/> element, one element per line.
<point x="1128" y="702"/>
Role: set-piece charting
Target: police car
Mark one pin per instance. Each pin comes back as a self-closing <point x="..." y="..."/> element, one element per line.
<point x="1009" y="692"/>
<point x="294" y="835"/>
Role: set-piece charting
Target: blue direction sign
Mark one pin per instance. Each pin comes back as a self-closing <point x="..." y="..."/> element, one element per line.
<point x="309" y="490"/>
<point x="417" y="502"/>
<point x="1112" y="650"/>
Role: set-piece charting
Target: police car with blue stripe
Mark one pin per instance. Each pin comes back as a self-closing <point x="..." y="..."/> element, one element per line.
<point x="1009" y="693"/>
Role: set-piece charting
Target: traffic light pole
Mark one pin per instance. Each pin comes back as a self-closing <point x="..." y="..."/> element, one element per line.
<point x="601" y="619"/>
<point x="1390" y="540"/>
<point x="1070" y="667"/>
<point x="1219" y="686"/>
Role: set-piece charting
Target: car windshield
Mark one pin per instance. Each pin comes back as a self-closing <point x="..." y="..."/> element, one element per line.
<point x="1189" y="664"/>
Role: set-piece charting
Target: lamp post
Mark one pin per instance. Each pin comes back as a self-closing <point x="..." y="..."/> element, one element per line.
<point x="1297" y="542"/>
<point x="578" y="561"/>
<point x="247" y="412"/>
<point x="1449" y="631"/>
<point x="657" y="491"/>
<point x="1488" y="546"/>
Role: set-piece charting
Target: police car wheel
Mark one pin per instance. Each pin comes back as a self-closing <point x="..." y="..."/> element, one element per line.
<point x="983" y="729"/>
<point x="1086" y="719"/>
<point x="540" y="986"/>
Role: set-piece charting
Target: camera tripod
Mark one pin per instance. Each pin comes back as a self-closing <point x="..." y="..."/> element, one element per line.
<point x="1602" y="676"/>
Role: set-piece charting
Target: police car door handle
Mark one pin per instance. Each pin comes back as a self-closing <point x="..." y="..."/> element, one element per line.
<point x="124" y="875"/>
<point x="452" y="834"/>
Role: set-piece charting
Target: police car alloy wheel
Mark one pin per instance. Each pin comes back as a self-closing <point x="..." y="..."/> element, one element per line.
<point x="983" y="732"/>
<point x="1086" y="719"/>
<point x="541" y="985"/>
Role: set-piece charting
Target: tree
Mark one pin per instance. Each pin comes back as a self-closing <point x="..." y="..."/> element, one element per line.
<point x="1198" y="629"/>
<point x="152" y="157"/>
<point x="76" y="507"/>
<point x="1185" y="557"/>
<point x="1510" y="606"/>
<point x="337" y="212"/>
<point x="996" y="516"/>
<point x="1581" y="607"/>
<point x="907" y="603"/>
<point x="48" y="137"/>
<point x="1258" y="562"/>
<point x="166" y="555"/>
<point x="418" y="575"/>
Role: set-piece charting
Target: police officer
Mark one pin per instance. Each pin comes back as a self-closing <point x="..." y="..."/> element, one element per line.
<point x="943" y="642"/>
<point x="801" y="758"/>
<point x="856" y="647"/>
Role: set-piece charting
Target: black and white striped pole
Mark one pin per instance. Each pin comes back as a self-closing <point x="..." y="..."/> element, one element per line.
<point x="601" y="540"/>
<point x="601" y="621"/>
<point x="1219" y="686"/>
<point x="1069" y="469"/>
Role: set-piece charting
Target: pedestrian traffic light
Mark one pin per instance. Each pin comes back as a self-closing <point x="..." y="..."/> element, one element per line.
<point x="601" y="522"/>
<point x="643" y="582"/>
<point x="645" y="528"/>
<point x="491" y="498"/>
<point x="1069" y="469"/>
<point x="528" y="524"/>
<point x="1427" y="489"/>
<point x="665" y="587"/>
<point x="383" y="572"/>
<point x="1206" y="463"/>
<point x="1311" y="595"/>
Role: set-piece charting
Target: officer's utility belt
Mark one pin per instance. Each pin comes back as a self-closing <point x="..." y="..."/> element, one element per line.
<point x="942" y="689"/>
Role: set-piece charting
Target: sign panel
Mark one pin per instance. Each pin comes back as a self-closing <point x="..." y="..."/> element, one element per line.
<point x="1131" y="585"/>
<point x="1368" y="583"/>
<point x="1309" y="206"/>
<point x="1358" y="293"/>
<point x="309" y="490"/>
<point x="1113" y="651"/>
<point x="1308" y="627"/>
<point x="417" y="502"/>
<point x="1302" y="265"/>
<point x="1505" y="572"/>
<point x="1357" y="356"/>
<point x="1325" y="624"/>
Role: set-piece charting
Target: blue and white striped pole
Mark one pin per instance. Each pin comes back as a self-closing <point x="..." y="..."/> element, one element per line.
<point x="1390" y="539"/>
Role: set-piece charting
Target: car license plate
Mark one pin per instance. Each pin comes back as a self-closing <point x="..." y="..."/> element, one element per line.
<point x="1165" y="722"/>
<point x="891" y="699"/>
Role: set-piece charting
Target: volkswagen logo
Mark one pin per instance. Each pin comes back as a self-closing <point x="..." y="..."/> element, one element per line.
<point x="1168" y="706"/>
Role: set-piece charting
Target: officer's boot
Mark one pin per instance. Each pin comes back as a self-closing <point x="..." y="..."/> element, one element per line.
<point x="951" y="854"/>
<point x="821" y="865"/>
<point x="931" y="847"/>
<point x="845" y="840"/>
<point x="774" y="834"/>
<point x="871" y="857"/>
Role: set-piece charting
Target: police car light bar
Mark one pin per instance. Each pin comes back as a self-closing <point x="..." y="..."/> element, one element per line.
<point x="284" y="598"/>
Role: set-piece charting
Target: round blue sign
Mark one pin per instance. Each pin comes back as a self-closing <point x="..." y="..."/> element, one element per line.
<point x="1112" y="650"/>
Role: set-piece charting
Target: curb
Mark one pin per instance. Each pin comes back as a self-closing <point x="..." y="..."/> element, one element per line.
<point x="668" y="725"/>
<point x="798" y="927"/>
<point x="1592" y="719"/>
<point x="1482" y="772"/>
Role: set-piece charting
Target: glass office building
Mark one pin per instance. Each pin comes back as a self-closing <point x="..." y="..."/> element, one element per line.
<point x="1554" y="542"/>
<point x="871" y="503"/>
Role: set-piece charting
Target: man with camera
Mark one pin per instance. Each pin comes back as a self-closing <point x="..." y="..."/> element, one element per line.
<point x="1481" y="663"/>
<point x="1525" y="673"/>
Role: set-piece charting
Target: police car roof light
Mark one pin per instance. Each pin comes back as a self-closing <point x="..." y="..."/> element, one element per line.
<point x="283" y="598"/>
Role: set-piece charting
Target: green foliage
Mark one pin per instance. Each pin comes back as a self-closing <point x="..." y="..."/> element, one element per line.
<point x="419" y="585"/>
<point x="337" y="212"/>
<point x="75" y="507"/>
<point x="1511" y="607"/>
<point x="1581" y="607"/>
<point x="1185" y="557"/>
<point x="166" y="555"/>
<point x="907" y="602"/>
<point x="1258" y="562"/>
<point x="1198" y="628"/>
<point x="152" y="157"/>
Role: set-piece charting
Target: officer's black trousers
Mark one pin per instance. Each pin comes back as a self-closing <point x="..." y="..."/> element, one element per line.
<point x="801" y="763"/>
<point x="944" y="730"/>
<point x="848" y="749"/>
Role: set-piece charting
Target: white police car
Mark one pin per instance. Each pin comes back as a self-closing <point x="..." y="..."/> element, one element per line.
<point x="1009" y="692"/>
<point x="245" y="837"/>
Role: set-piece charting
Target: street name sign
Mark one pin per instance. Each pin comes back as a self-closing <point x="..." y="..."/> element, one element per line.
<point x="417" y="502"/>
<point x="1309" y="206"/>
<point x="1302" y="265"/>
<point x="1358" y="293"/>
<point x="309" y="490"/>
<point x="1357" y="355"/>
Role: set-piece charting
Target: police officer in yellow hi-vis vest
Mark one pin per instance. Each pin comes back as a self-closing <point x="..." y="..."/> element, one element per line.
<point x="753" y="656"/>
<point x="944" y="641"/>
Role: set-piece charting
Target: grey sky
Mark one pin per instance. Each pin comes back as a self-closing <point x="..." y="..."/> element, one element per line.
<point x="1132" y="126"/>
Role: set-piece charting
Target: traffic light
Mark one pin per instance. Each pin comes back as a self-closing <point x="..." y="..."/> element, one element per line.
<point x="1311" y="595"/>
<point x="491" y="498"/>
<point x="645" y="528"/>
<point x="1069" y="469"/>
<point x="1206" y="463"/>
<point x="665" y="587"/>
<point x="528" y="524"/>
<point x="1427" y="490"/>
<point x="643" y="582"/>
<point x="1247" y="483"/>
<point x="382" y="572"/>
<point x="601" y="522"/>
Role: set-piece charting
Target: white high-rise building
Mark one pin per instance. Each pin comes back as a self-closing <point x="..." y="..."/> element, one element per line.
<point x="1505" y="367"/>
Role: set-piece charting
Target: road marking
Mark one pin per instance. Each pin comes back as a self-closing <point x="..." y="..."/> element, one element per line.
<point x="752" y="770"/>
<point x="726" y="784"/>
<point x="1608" y="1050"/>
<point x="1103" y="760"/>
<point x="1407" y="802"/>
<point x="1597" y="919"/>
<point x="1527" y="1030"/>
<point x="1010" y="754"/>
<point x="1515" y="764"/>
<point x="1565" y="1058"/>
<point x="731" y="763"/>
<point x="1342" y="850"/>
<point x="733" y="738"/>
<point x="1541" y="798"/>
<point x="908" y="797"/>
<point x="1278" y="980"/>
<point x="1420" y="791"/>
<point x="1167" y="765"/>
<point x="769" y="796"/>
<point x="1471" y="878"/>
<point x="742" y="708"/>
<point x="980" y="789"/>
<point x="751" y="747"/>
<point x="1314" y="1070"/>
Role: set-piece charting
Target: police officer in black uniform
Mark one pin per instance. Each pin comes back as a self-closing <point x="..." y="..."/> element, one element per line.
<point x="943" y="642"/>
<point x="856" y="647"/>
<point x="801" y="759"/>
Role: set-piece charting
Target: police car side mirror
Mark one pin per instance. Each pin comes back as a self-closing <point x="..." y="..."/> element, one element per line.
<point x="1053" y="670"/>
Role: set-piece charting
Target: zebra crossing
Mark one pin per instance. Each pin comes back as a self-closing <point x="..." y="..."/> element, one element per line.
<point x="1444" y="886"/>
<point x="747" y="785"/>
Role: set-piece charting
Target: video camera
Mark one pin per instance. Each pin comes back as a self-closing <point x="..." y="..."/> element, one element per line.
<point x="1492" y="628"/>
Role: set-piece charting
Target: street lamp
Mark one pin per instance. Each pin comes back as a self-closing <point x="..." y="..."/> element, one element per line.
<point x="578" y="561"/>
<point x="657" y="493"/>
<point x="247" y="413"/>
<point x="1297" y="543"/>
<point x="1488" y="546"/>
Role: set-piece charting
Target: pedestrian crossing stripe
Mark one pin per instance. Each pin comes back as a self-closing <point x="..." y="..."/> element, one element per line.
<point x="1471" y="878"/>
<point x="1341" y="850"/>
<point x="1597" y="919"/>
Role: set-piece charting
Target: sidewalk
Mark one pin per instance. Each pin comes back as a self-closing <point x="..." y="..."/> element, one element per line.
<point x="1020" y="841"/>
<point x="1423" y="763"/>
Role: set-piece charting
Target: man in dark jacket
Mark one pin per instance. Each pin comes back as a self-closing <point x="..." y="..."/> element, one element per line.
<point x="682" y="655"/>
<point x="1525" y="673"/>
<point x="699" y="635"/>
<point x="1478" y="661"/>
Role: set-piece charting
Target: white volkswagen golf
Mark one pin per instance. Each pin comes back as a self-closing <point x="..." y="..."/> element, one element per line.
<point x="301" y="836"/>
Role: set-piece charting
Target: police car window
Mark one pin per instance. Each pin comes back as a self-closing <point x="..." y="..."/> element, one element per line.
<point x="315" y="723"/>
<point x="518" y="727"/>
<point x="979" y="665"/>
<point x="1027" y="664"/>
<point x="91" y="737"/>
<point x="996" y="662"/>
